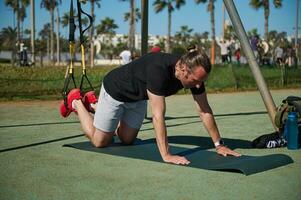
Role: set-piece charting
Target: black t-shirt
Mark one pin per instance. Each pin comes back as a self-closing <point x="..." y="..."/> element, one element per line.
<point x="154" y="72"/>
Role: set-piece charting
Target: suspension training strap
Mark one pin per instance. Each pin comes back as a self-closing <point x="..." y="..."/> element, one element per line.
<point x="81" y="36"/>
<point x="70" y="73"/>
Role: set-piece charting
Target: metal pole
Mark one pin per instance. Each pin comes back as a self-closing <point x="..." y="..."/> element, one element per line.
<point x="243" y="39"/>
<point x="296" y="32"/>
<point x="144" y="26"/>
<point x="32" y="7"/>
<point x="144" y="30"/>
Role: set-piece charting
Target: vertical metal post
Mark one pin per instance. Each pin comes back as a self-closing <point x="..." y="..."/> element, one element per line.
<point x="296" y="32"/>
<point x="242" y="36"/>
<point x="144" y="30"/>
<point x="32" y="40"/>
<point x="144" y="26"/>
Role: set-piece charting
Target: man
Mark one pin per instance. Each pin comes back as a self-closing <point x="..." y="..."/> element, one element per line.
<point x="224" y="45"/>
<point x="122" y="102"/>
<point x="125" y="56"/>
<point x="254" y="45"/>
<point x="279" y="56"/>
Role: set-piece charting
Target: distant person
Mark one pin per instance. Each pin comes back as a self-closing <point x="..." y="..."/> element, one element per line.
<point x="122" y="103"/>
<point x="125" y="56"/>
<point x="237" y="55"/>
<point x="237" y="52"/>
<point x="290" y="56"/>
<point x="224" y="50"/>
<point x="135" y="55"/>
<point x="279" y="56"/>
<point x="155" y="49"/>
<point x="254" y="45"/>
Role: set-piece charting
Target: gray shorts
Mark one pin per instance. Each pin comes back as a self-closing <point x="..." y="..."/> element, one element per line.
<point x="110" y="111"/>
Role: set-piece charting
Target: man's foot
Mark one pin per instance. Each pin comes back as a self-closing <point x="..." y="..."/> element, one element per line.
<point x="90" y="99"/>
<point x="74" y="94"/>
<point x="65" y="112"/>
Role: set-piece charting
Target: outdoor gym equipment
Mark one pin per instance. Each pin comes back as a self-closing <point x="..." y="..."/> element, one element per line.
<point x="70" y="71"/>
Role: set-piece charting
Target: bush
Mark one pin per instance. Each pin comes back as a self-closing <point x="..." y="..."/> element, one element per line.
<point x="47" y="82"/>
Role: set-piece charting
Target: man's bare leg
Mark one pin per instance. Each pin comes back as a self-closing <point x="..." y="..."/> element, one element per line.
<point x="97" y="137"/>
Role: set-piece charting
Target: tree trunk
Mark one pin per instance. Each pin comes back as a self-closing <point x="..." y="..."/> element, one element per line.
<point x="32" y="33"/>
<point x="52" y="36"/>
<point x="18" y="27"/>
<point x="91" y="36"/>
<point x="131" y="41"/>
<point x="168" y="45"/>
<point x="58" y="56"/>
<point x="212" y="20"/>
<point x="266" y="19"/>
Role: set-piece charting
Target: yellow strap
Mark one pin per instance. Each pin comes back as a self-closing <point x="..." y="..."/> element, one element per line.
<point x="71" y="52"/>
<point x="83" y="58"/>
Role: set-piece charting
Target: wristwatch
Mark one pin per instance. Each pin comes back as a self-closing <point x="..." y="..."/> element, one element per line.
<point x="218" y="143"/>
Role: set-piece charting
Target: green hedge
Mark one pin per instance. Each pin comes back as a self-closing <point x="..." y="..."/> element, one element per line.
<point x="47" y="82"/>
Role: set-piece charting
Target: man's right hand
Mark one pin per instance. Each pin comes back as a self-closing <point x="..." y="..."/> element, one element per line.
<point x="178" y="160"/>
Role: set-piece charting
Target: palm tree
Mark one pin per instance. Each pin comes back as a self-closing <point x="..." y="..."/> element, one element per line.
<point x="265" y="4"/>
<point x="93" y="3"/>
<point x="45" y="36"/>
<point x="107" y="27"/>
<point x="183" y="35"/>
<point x="14" y="4"/>
<point x="64" y="20"/>
<point x="160" y="5"/>
<point x="50" y="5"/>
<point x="127" y="15"/>
<point x="22" y="15"/>
<point x="32" y="32"/>
<point x="210" y="8"/>
<point x="8" y="38"/>
<point x="58" y="54"/>
<point x="132" y="32"/>
<point x="132" y="17"/>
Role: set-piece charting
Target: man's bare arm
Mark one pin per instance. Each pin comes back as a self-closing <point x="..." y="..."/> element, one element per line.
<point x="158" y="110"/>
<point x="207" y="117"/>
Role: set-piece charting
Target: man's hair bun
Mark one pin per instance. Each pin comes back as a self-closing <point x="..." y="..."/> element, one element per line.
<point x="192" y="48"/>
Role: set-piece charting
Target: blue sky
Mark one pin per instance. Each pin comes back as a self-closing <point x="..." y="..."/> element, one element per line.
<point x="192" y="15"/>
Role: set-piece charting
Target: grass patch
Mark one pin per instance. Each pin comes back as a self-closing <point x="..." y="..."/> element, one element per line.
<point x="47" y="82"/>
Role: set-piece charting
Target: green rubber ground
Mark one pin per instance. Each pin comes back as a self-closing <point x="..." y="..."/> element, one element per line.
<point x="34" y="165"/>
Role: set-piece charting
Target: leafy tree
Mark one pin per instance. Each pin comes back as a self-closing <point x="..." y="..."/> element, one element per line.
<point x="45" y="36"/>
<point x="170" y="5"/>
<point x="265" y="4"/>
<point x="210" y="9"/>
<point x="8" y="38"/>
<point x="133" y="16"/>
<point x="183" y="35"/>
<point x="93" y="3"/>
<point x="107" y="28"/>
<point x="50" y="5"/>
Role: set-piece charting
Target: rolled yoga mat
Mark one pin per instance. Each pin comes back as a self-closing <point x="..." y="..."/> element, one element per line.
<point x="199" y="158"/>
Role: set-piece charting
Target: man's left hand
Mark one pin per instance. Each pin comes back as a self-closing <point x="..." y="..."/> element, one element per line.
<point x="224" y="151"/>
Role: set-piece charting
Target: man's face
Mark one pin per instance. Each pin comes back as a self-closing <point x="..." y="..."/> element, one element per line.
<point x="192" y="78"/>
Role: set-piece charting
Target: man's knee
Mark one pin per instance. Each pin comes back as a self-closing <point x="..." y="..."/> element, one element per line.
<point x="127" y="141"/>
<point x="100" y="144"/>
<point x="128" y="136"/>
<point x="101" y="139"/>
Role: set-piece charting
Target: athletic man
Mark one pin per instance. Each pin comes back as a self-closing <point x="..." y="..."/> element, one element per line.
<point x="122" y="102"/>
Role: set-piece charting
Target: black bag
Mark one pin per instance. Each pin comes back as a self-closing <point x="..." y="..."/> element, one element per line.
<point x="276" y="139"/>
